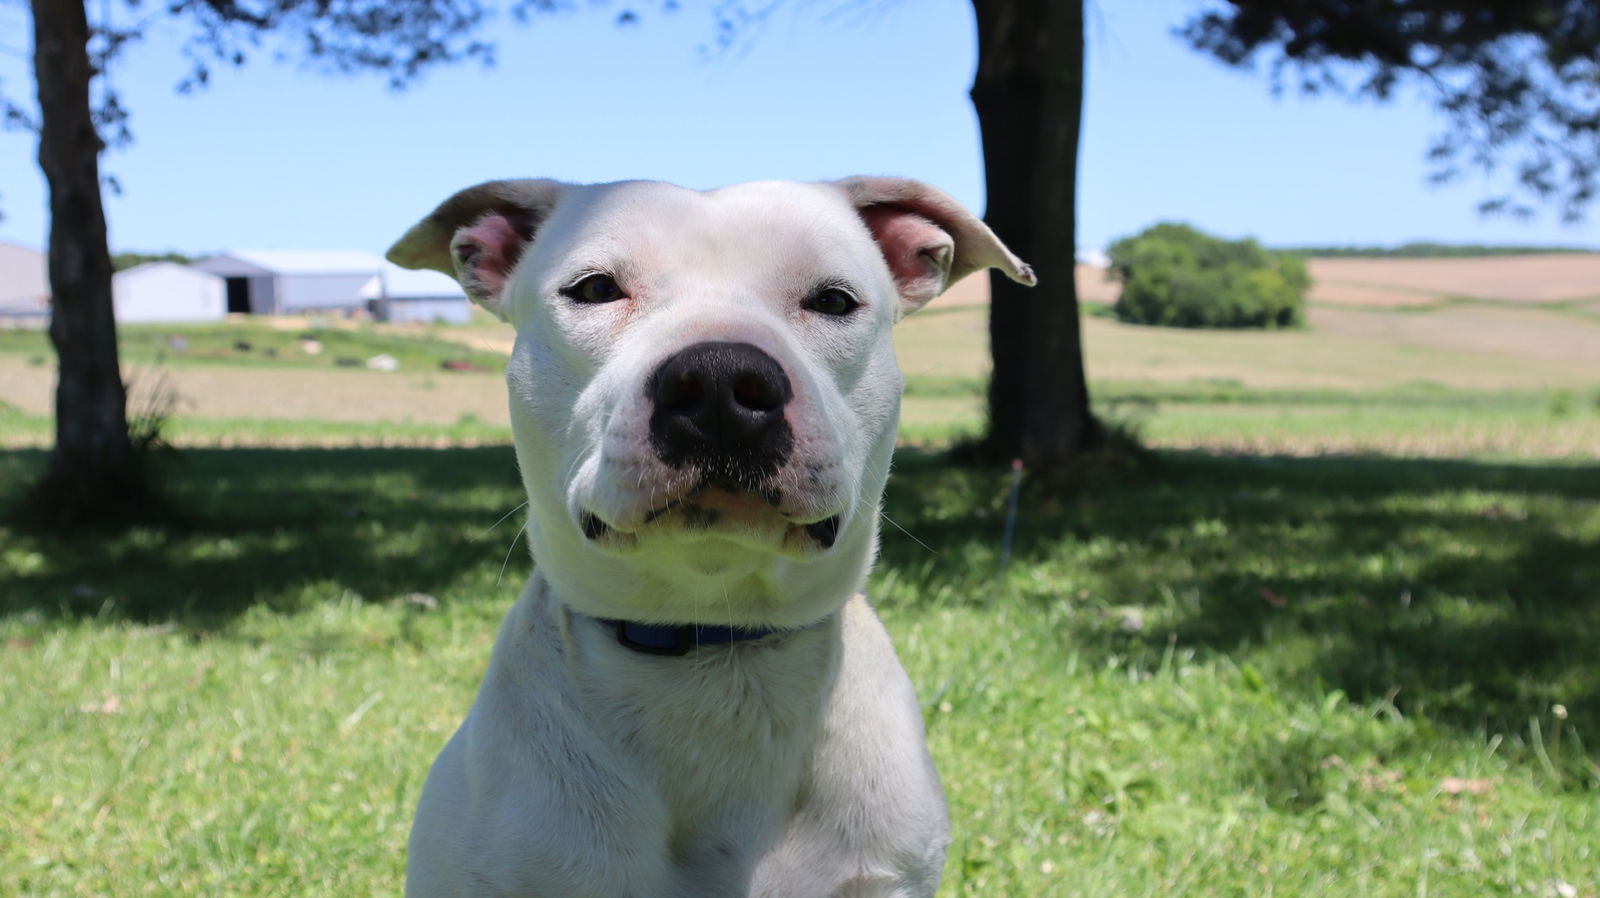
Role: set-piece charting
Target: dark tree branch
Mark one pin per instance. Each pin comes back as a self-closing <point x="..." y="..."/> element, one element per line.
<point x="1517" y="80"/>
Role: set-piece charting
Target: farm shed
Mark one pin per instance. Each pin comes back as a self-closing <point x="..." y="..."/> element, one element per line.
<point x="165" y="291"/>
<point x="418" y="296"/>
<point x="24" y="288"/>
<point x="294" y="282"/>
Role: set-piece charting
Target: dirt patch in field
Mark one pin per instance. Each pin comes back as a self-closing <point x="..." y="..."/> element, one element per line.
<point x="1538" y="278"/>
<point x="1468" y="347"/>
<point x="1336" y="293"/>
<point x="288" y="393"/>
<point x="1539" y="335"/>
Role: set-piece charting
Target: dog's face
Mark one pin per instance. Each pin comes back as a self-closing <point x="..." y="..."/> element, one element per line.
<point x="704" y="393"/>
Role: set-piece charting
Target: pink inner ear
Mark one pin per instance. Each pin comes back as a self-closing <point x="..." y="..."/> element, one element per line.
<point x="486" y="252"/>
<point x="917" y="250"/>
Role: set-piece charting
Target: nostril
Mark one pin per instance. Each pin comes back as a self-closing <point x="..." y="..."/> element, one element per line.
<point x="680" y="390"/>
<point x="720" y="405"/>
<point x="757" y="393"/>
<point x="593" y="527"/>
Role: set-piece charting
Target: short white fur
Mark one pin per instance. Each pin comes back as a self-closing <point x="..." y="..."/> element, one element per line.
<point x="792" y="765"/>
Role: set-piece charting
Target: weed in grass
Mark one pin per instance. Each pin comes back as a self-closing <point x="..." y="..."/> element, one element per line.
<point x="1562" y="404"/>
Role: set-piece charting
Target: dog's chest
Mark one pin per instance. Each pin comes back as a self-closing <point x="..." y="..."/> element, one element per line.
<point x="724" y="740"/>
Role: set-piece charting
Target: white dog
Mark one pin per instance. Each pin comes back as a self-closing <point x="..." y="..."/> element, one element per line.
<point x="692" y="697"/>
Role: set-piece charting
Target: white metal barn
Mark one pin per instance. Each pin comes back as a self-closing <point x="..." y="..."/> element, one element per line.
<point x="164" y="291"/>
<point x="24" y="287"/>
<point x="418" y="296"/>
<point x="294" y="282"/>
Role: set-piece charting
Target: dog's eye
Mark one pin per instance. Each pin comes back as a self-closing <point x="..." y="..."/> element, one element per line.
<point x="596" y="288"/>
<point x="831" y="301"/>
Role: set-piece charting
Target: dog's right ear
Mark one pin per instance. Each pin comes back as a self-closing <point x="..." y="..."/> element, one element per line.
<point x="478" y="236"/>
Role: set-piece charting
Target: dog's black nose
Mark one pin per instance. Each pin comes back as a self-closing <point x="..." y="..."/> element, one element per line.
<point x="720" y="405"/>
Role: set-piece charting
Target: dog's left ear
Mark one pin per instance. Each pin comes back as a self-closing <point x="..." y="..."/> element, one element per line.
<point x="478" y="235"/>
<point x="929" y="240"/>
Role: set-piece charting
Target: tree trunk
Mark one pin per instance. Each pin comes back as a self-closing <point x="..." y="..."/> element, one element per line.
<point x="93" y="464"/>
<point x="1028" y="94"/>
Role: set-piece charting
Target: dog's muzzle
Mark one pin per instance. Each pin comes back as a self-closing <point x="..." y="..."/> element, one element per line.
<point x="719" y="407"/>
<point x="717" y="420"/>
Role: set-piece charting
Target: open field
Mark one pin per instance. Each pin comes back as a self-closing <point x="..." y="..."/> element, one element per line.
<point x="1355" y="349"/>
<point x="288" y="394"/>
<point x="1400" y="373"/>
<point x="1336" y="638"/>
<point x="1522" y="279"/>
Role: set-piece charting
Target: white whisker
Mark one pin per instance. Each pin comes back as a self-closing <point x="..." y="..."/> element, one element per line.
<point x="507" y="562"/>
<point x="907" y="533"/>
<point x="501" y="521"/>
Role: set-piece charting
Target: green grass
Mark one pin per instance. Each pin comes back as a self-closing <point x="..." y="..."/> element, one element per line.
<point x="1418" y="419"/>
<point x="1220" y="676"/>
<point x="257" y="343"/>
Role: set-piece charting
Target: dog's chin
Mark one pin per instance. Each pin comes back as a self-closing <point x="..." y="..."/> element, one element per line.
<point x="712" y="520"/>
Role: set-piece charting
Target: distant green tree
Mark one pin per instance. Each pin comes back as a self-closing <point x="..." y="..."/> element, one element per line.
<point x="124" y="261"/>
<point x="1177" y="276"/>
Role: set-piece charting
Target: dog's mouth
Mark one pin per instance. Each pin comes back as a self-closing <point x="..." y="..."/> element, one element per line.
<point x="722" y="509"/>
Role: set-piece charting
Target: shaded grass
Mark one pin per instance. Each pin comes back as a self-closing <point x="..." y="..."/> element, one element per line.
<point x="1463" y="584"/>
<point x="276" y="528"/>
<point x="1230" y="676"/>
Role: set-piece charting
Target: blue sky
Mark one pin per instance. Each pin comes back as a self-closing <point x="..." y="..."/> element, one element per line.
<point x="280" y="156"/>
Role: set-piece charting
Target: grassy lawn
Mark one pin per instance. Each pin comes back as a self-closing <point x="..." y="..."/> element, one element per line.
<point x="1336" y="638"/>
<point x="1224" y="676"/>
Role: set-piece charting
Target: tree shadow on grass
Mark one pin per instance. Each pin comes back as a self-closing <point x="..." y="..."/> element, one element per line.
<point x="1469" y="591"/>
<point x="1465" y="591"/>
<point x="281" y="528"/>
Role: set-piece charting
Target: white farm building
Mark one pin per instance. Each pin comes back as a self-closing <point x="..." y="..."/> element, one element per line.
<point x="295" y="282"/>
<point x="165" y="291"/>
<point x="24" y="288"/>
<point x="426" y="297"/>
<point x="264" y="282"/>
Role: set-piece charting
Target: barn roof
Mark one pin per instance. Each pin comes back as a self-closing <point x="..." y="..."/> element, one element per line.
<point x="145" y="269"/>
<point x="403" y="283"/>
<point x="299" y="261"/>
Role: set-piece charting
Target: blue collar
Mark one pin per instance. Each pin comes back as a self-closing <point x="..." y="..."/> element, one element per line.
<point x="676" y="639"/>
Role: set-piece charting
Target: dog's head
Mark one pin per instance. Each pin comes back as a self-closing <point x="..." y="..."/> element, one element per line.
<point x="704" y="393"/>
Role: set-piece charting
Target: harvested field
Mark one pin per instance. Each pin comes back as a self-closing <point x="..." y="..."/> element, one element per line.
<point x="1540" y="278"/>
<point x="1535" y="334"/>
<point x="217" y="391"/>
<point x="1464" y="347"/>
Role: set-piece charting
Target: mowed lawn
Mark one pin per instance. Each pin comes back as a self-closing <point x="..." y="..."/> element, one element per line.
<point x="1335" y="638"/>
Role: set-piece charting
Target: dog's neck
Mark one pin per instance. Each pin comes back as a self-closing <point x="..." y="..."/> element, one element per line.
<point x="682" y="639"/>
<point x="756" y="705"/>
